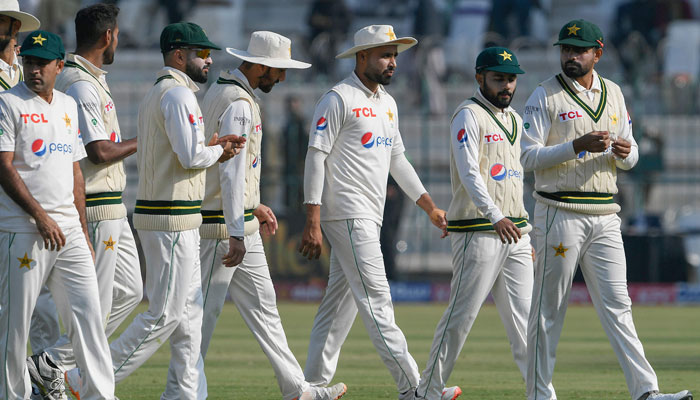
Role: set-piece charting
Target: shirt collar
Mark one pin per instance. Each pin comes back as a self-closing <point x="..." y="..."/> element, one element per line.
<point x="595" y="87"/>
<point x="357" y="82"/>
<point x="179" y="76"/>
<point x="83" y="62"/>
<point x="5" y="67"/>
<point x="239" y="76"/>
<point x="490" y="105"/>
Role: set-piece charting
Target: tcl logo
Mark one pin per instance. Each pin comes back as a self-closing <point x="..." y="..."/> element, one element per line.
<point x="258" y="128"/>
<point x="109" y="106"/>
<point x="493" y="138"/>
<point x="566" y="116"/>
<point x="365" y="111"/>
<point x="35" y="118"/>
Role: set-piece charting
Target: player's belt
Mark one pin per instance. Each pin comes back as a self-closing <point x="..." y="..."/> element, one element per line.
<point x="479" y="224"/>
<point x="248" y="215"/>
<point x="103" y="198"/>
<point x="213" y="217"/>
<point x="579" y="197"/>
<point x="172" y="207"/>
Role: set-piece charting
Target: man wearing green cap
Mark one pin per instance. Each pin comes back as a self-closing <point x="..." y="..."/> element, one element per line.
<point x="486" y="221"/>
<point x="577" y="132"/>
<point x="43" y="231"/>
<point x="172" y="161"/>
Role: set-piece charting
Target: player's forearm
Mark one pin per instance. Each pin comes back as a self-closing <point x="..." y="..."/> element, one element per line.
<point x="15" y="188"/>
<point x="106" y="151"/>
<point x="313" y="214"/>
<point x="314" y="175"/>
<point x="406" y="177"/>
<point x="425" y="202"/>
<point x="79" y="197"/>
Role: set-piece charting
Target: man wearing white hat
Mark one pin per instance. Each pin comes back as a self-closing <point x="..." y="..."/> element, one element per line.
<point x="45" y="329"/>
<point x="232" y="253"/>
<point x="354" y="144"/>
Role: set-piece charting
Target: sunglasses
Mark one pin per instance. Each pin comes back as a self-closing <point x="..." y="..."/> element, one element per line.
<point x="201" y="53"/>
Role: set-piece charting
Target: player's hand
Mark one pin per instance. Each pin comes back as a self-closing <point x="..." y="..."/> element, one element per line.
<point x="593" y="142"/>
<point x="534" y="257"/>
<point x="92" y="249"/>
<point x="507" y="231"/>
<point x="311" y="241"/>
<point x="439" y="219"/>
<point x="51" y="233"/>
<point x="236" y="251"/>
<point x="237" y="142"/>
<point x="267" y="219"/>
<point x="621" y="148"/>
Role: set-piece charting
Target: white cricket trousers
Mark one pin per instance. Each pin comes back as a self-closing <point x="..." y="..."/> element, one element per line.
<point x="481" y="264"/>
<point x="118" y="280"/>
<point x="174" y="312"/>
<point x="357" y="281"/>
<point x="565" y="239"/>
<point x="251" y="290"/>
<point x="44" y="328"/>
<point x="70" y="276"/>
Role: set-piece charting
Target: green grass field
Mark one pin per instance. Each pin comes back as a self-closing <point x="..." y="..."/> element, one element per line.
<point x="586" y="367"/>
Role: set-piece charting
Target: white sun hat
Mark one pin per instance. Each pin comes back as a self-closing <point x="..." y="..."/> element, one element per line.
<point x="269" y="48"/>
<point x="376" y="36"/>
<point x="11" y="9"/>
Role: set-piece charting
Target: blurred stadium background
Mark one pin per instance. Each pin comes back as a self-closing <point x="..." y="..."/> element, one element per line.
<point x="652" y="50"/>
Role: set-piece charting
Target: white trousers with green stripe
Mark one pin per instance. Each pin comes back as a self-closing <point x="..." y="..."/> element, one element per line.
<point x="251" y="290"/>
<point x="357" y="282"/>
<point x="118" y="280"/>
<point x="174" y="291"/>
<point x="70" y="276"/>
<point x="564" y="240"/>
<point x="481" y="264"/>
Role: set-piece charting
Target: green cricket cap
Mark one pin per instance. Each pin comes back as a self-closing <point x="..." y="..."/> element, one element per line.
<point x="581" y="33"/>
<point x="183" y="34"/>
<point x="44" y="45"/>
<point x="498" y="59"/>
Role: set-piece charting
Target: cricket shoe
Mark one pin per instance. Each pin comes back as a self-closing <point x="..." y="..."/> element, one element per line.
<point x="47" y="377"/>
<point x="74" y="382"/>
<point x="451" y="393"/>
<point x="682" y="395"/>
<point x="324" y="393"/>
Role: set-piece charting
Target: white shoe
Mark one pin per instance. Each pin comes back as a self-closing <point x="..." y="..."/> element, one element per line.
<point x="451" y="393"/>
<point x="46" y="377"/>
<point x="74" y="382"/>
<point x="324" y="393"/>
<point x="682" y="395"/>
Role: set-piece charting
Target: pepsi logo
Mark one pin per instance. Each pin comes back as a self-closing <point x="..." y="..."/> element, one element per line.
<point x="462" y="136"/>
<point x="582" y="154"/>
<point x="114" y="137"/>
<point x="322" y="124"/>
<point x="255" y="162"/>
<point x="367" y="141"/>
<point x="192" y="120"/>
<point x="38" y="147"/>
<point x="498" y="172"/>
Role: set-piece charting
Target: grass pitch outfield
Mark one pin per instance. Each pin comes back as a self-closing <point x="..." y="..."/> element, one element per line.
<point x="586" y="366"/>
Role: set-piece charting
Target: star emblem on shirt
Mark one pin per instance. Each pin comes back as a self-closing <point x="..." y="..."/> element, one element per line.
<point x="109" y="244"/>
<point x="38" y="39"/>
<point x="67" y="119"/>
<point x="613" y="119"/>
<point x="391" y="35"/>
<point x="25" y="261"/>
<point x="390" y="114"/>
<point x="506" y="56"/>
<point x="573" y="30"/>
<point x="560" y="251"/>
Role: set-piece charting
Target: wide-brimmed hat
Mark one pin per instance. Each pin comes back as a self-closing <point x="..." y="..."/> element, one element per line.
<point x="11" y="9"/>
<point x="376" y="36"/>
<point x="270" y="49"/>
<point x="42" y="44"/>
<point x="581" y="33"/>
<point x="183" y="34"/>
<point x="498" y="59"/>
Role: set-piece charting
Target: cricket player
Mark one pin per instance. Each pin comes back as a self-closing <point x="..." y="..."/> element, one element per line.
<point x="354" y="143"/>
<point x="577" y="132"/>
<point x="172" y="165"/>
<point x="487" y="220"/>
<point x="232" y="253"/>
<point x="116" y="257"/>
<point x="43" y="233"/>
<point x="45" y="328"/>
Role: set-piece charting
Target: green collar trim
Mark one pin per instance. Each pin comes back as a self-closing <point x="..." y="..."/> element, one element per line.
<point x="162" y="78"/>
<point x="595" y="115"/>
<point x="510" y="135"/>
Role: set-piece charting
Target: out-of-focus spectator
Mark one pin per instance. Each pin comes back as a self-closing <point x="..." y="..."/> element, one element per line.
<point x="329" y="21"/>
<point x="295" y="140"/>
<point x="501" y="12"/>
<point x="390" y="227"/>
<point x="430" y="26"/>
<point x="650" y="18"/>
<point x="177" y="9"/>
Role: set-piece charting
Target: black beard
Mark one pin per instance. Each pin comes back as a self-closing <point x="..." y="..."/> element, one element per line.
<point x="4" y="42"/>
<point x="196" y="74"/>
<point x="378" y="78"/>
<point x="573" y="69"/>
<point x="495" y="100"/>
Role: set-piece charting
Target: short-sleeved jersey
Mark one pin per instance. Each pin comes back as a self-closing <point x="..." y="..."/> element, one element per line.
<point x="46" y="141"/>
<point x="359" y="130"/>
